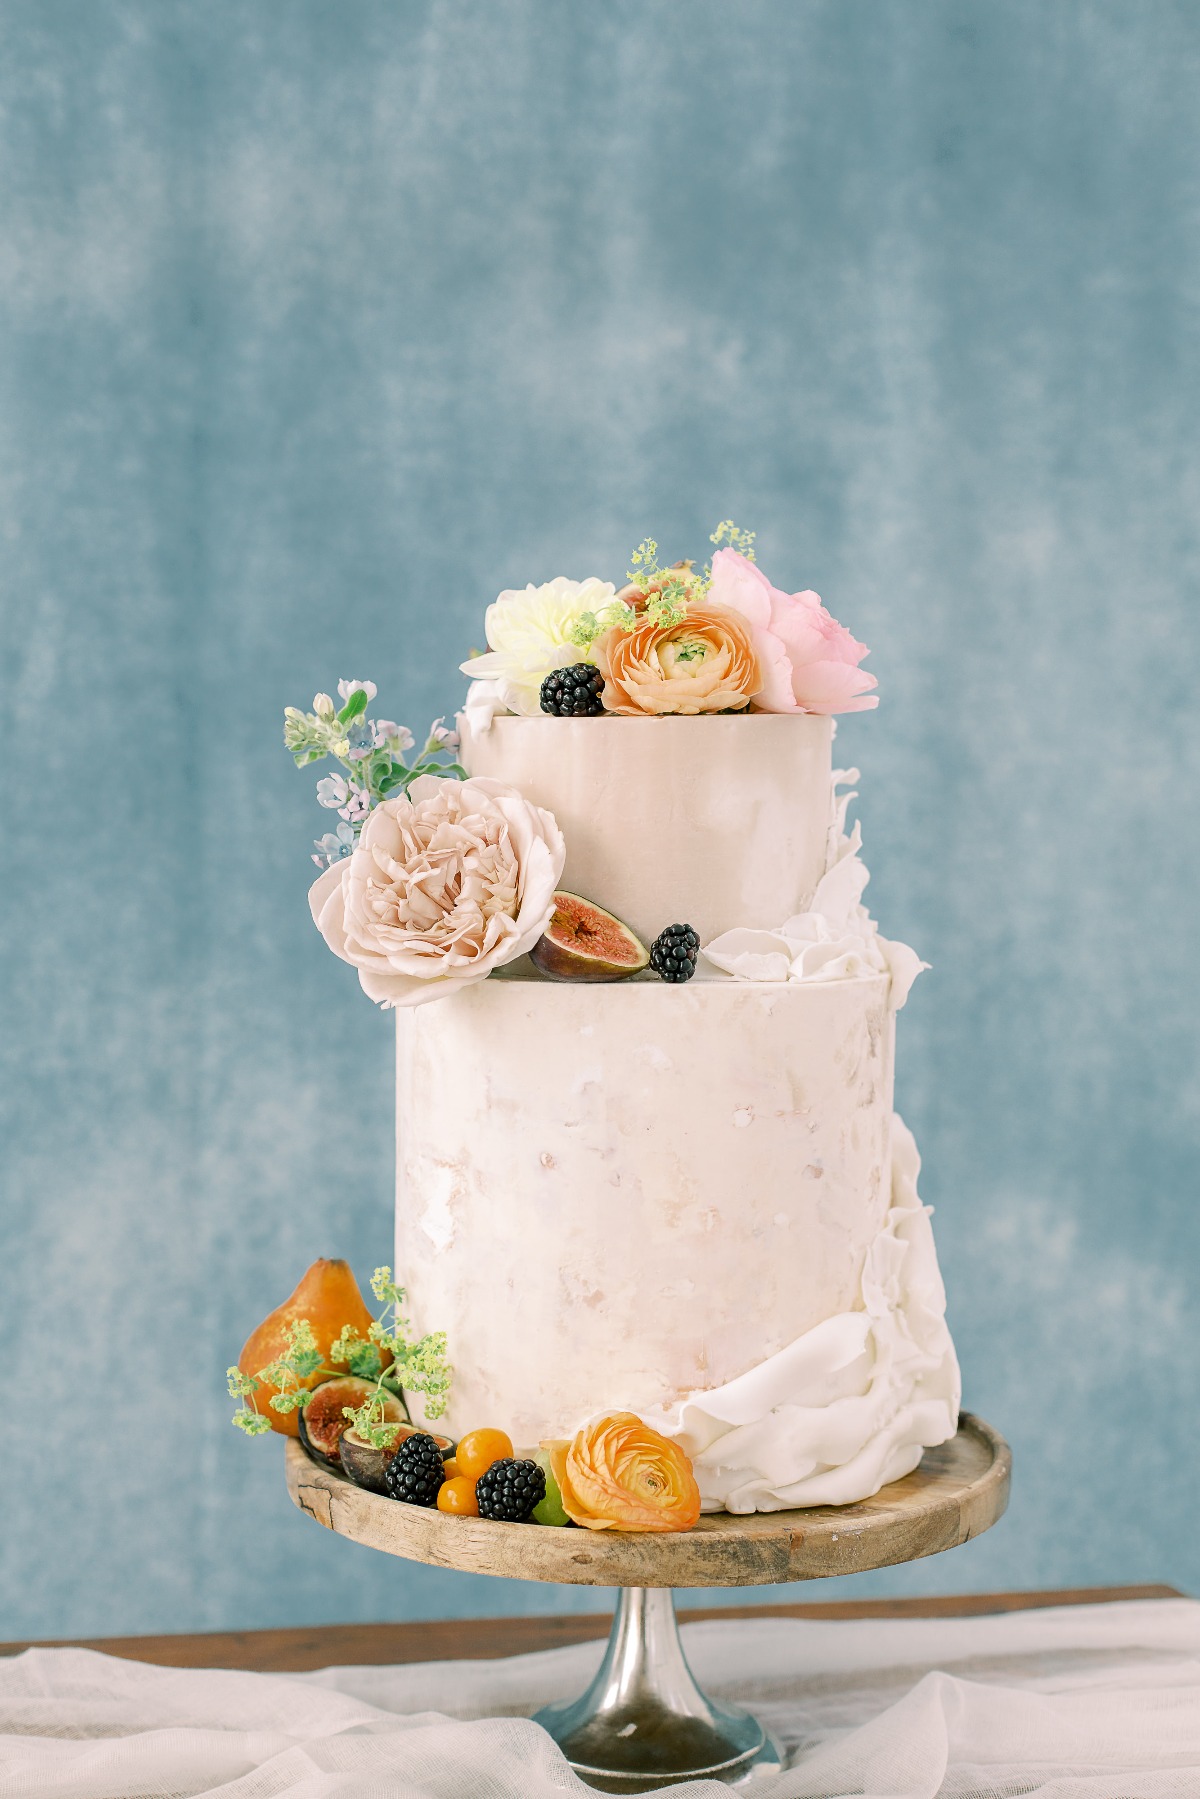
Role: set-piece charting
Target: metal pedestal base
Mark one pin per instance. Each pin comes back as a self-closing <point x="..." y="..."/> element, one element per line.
<point x="644" y="1722"/>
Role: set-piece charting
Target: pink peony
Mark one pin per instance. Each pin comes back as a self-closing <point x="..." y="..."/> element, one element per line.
<point x="809" y="662"/>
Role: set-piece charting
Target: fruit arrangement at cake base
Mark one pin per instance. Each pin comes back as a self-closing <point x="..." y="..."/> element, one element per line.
<point x="644" y="1722"/>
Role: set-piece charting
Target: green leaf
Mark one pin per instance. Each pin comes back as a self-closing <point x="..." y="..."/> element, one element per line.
<point x="397" y="780"/>
<point x="364" y="1361"/>
<point x="354" y="707"/>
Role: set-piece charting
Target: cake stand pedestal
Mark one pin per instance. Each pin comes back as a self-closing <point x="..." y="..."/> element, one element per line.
<point x="644" y="1722"/>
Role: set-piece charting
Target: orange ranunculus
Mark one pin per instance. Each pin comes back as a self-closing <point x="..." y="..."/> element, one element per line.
<point x="618" y="1474"/>
<point x="706" y="663"/>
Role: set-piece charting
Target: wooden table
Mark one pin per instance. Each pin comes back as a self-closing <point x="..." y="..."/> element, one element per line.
<point x="461" y="1639"/>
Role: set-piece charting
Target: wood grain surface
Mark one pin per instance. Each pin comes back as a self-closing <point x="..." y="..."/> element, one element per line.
<point x="959" y="1491"/>
<point x="299" y="1651"/>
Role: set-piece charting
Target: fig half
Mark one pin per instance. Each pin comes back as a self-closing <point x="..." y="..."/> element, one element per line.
<point x="365" y="1464"/>
<point x="583" y="942"/>
<point x="323" y="1422"/>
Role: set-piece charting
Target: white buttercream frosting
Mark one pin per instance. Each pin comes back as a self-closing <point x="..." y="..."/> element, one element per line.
<point x="835" y="938"/>
<point x="853" y="1402"/>
<point x="720" y="821"/>
<point x="689" y="1202"/>
<point x="611" y="1196"/>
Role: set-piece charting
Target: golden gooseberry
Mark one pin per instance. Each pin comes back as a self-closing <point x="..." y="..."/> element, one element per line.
<point x="457" y="1496"/>
<point x="479" y="1449"/>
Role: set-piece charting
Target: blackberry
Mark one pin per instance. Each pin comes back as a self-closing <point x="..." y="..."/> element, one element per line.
<point x="573" y="692"/>
<point x="510" y="1489"/>
<point x="673" y="953"/>
<point x="415" y="1473"/>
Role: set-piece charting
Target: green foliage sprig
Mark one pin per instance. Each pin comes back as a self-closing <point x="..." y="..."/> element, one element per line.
<point x="418" y="1365"/>
<point x="371" y="751"/>
<point x="299" y="1360"/>
<point x="618" y="614"/>
<point x="665" y="593"/>
<point x="741" y="541"/>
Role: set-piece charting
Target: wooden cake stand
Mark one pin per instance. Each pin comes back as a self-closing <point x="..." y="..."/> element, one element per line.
<point x="644" y="1722"/>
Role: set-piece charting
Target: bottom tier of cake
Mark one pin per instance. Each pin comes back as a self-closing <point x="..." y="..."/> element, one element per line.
<point x="690" y="1203"/>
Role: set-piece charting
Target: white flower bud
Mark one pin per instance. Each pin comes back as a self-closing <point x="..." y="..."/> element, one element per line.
<point x="323" y="706"/>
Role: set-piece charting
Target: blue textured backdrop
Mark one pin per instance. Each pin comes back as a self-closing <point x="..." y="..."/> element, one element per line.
<point x="322" y="323"/>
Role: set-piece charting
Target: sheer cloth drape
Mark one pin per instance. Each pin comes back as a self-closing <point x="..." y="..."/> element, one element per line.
<point x="1095" y="1702"/>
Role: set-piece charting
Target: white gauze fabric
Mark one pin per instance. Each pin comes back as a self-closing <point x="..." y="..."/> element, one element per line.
<point x="852" y="1403"/>
<point x="1079" y="1702"/>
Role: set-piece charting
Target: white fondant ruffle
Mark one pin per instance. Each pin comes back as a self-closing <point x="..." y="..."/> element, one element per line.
<point x="836" y="939"/>
<point x="851" y="1404"/>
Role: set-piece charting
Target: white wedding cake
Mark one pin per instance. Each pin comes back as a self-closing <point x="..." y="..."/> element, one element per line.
<point x="685" y="1199"/>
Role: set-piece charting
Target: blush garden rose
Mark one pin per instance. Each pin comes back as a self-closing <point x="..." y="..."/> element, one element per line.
<point x="445" y="884"/>
<point x="809" y="662"/>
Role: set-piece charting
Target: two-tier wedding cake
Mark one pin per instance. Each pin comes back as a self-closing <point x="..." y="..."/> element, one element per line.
<point x="673" y="1187"/>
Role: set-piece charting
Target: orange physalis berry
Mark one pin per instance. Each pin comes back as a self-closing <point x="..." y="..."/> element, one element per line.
<point x="479" y="1449"/>
<point x="457" y="1496"/>
<point x="450" y="1469"/>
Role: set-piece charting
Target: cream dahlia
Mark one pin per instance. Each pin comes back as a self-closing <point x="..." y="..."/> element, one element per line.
<point x="529" y="634"/>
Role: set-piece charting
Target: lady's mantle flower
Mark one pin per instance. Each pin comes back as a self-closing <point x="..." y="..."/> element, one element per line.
<point x="529" y="635"/>
<point x="446" y="883"/>
<point x="809" y="661"/>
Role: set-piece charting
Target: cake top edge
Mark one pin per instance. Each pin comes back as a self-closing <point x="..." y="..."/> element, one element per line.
<point x="669" y="642"/>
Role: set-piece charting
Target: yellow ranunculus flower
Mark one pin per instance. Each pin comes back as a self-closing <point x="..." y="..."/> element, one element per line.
<point x="618" y="1474"/>
<point x="706" y="663"/>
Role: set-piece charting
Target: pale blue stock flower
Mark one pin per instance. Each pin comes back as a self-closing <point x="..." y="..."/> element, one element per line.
<point x="333" y="847"/>
<point x="332" y="790"/>
<point x="358" y="804"/>
<point x="361" y="740"/>
<point x="388" y="731"/>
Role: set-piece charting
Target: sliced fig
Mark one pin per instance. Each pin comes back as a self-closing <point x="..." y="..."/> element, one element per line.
<point x="323" y="1422"/>
<point x="583" y="942"/>
<point x="365" y="1464"/>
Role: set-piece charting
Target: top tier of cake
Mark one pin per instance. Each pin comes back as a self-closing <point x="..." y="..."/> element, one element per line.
<point x="715" y="822"/>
